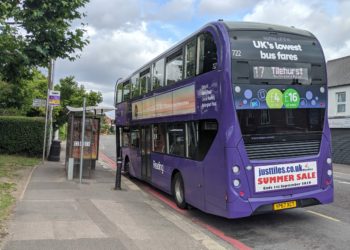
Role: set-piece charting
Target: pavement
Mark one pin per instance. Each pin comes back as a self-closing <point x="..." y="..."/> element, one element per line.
<point x="54" y="213"/>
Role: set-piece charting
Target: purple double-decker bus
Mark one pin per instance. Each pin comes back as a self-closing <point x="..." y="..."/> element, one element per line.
<point x="232" y="120"/>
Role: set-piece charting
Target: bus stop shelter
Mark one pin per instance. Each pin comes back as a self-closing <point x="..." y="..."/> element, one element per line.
<point x="90" y="142"/>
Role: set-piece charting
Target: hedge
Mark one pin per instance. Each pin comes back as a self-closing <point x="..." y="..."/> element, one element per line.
<point x="21" y="135"/>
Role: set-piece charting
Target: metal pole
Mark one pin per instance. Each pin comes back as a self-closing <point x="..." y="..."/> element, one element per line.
<point x="118" y="174"/>
<point x="45" y="130"/>
<point x="82" y="142"/>
<point x="51" y="69"/>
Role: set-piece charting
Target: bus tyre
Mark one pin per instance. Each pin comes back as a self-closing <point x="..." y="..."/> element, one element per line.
<point x="179" y="191"/>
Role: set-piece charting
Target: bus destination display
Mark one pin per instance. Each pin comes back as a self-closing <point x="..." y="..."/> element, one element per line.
<point x="280" y="73"/>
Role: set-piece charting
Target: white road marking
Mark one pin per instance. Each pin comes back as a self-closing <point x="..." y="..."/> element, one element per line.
<point x="340" y="173"/>
<point x="323" y="216"/>
<point x="343" y="182"/>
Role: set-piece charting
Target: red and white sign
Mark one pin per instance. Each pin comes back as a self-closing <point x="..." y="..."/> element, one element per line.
<point x="285" y="176"/>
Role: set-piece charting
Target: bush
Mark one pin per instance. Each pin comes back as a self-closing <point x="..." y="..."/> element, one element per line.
<point x="21" y="135"/>
<point x="10" y="112"/>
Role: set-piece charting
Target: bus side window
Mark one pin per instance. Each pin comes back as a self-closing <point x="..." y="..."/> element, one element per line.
<point x="190" y="59"/>
<point x="206" y="134"/>
<point x="207" y="53"/>
<point x="174" y="67"/>
<point x="159" y="138"/>
<point x="176" y="137"/>
<point x="144" y="81"/>
<point x="158" y="74"/>
<point x="126" y="91"/>
<point x="135" y="86"/>
<point x="135" y="138"/>
<point x="119" y="93"/>
<point x="192" y="139"/>
<point x="125" y="138"/>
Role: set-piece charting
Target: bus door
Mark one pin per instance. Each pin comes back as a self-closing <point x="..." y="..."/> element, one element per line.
<point x="146" y="145"/>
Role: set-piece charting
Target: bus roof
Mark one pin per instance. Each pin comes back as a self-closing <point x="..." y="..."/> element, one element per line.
<point x="266" y="26"/>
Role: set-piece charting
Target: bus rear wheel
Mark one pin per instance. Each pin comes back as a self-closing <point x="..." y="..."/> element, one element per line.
<point x="179" y="191"/>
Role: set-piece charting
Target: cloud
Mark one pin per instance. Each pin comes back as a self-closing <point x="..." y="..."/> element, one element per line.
<point x="111" y="55"/>
<point x="113" y="14"/>
<point x="330" y="26"/>
<point x="223" y="7"/>
<point x="177" y="10"/>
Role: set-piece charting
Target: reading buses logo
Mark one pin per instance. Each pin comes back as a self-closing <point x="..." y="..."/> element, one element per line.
<point x="158" y="166"/>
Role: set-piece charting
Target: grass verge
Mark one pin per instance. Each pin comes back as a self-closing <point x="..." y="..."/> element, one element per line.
<point x="10" y="175"/>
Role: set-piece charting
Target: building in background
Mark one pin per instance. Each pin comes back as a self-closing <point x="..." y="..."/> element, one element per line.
<point x="339" y="108"/>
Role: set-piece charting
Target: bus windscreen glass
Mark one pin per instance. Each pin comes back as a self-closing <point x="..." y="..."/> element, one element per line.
<point x="268" y="125"/>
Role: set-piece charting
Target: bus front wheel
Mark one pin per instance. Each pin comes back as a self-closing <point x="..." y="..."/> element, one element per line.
<point x="179" y="191"/>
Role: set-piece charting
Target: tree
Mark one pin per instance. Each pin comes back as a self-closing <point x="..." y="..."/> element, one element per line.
<point x="33" y="32"/>
<point x="36" y="88"/>
<point x="72" y="95"/>
<point x="11" y="96"/>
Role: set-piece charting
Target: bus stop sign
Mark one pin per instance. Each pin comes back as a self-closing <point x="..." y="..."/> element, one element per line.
<point x="54" y="98"/>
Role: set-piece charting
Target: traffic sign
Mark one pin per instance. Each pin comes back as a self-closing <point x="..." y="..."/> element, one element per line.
<point x="39" y="102"/>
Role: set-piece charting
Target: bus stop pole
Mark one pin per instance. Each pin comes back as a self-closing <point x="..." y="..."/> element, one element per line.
<point x="82" y="142"/>
<point x="45" y="130"/>
<point x="118" y="174"/>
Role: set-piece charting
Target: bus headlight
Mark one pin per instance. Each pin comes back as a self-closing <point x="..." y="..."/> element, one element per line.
<point x="329" y="161"/>
<point x="249" y="167"/>
<point x="235" y="169"/>
<point x="236" y="182"/>
<point x="329" y="172"/>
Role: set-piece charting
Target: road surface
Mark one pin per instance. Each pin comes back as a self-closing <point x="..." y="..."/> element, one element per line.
<point x="317" y="227"/>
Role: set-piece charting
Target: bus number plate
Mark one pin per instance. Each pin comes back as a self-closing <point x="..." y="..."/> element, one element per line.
<point x="284" y="205"/>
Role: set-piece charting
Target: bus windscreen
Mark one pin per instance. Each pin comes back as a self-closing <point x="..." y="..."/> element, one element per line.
<point x="272" y="125"/>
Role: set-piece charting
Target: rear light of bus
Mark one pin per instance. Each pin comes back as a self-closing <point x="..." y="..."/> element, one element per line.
<point x="329" y="172"/>
<point x="329" y="161"/>
<point x="236" y="183"/>
<point x="235" y="169"/>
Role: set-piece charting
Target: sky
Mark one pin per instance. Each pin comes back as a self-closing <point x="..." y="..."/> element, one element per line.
<point x="124" y="35"/>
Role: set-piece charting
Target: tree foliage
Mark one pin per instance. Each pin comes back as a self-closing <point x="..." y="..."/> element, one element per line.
<point x="21" y="96"/>
<point x="72" y="95"/>
<point x="33" y="32"/>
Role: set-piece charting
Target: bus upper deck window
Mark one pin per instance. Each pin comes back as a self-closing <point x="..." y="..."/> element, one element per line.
<point x="126" y="91"/>
<point x="190" y="59"/>
<point x="135" y="86"/>
<point x="174" y="67"/>
<point x="144" y="81"/>
<point x="207" y="53"/>
<point x="119" y="93"/>
<point x="158" y="74"/>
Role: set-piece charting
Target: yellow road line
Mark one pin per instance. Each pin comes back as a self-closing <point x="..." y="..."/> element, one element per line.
<point x="322" y="215"/>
